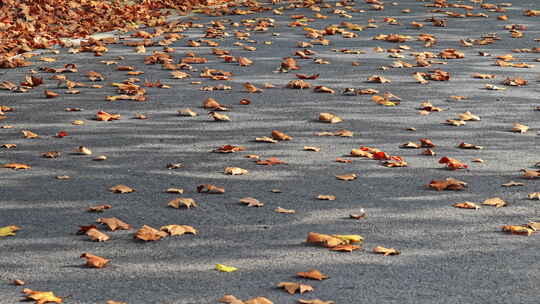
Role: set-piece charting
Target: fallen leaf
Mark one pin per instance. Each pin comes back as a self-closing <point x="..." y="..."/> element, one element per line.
<point x="521" y="230"/>
<point x="219" y="117"/>
<point x="235" y="171"/>
<point x="292" y="287"/>
<point x="83" y="150"/>
<point x="447" y="184"/>
<point x="495" y="202"/>
<point x="229" y="149"/>
<point x="16" y="166"/>
<point x="96" y="235"/>
<point x="326" y="197"/>
<point x="121" y="189"/>
<point x="283" y="210"/>
<point x="182" y="202"/>
<point x="29" y="134"/>
<point x="178" y="229"/>
<point x="312" y="274"/>
<point x="466" y="205"/>
<point x="225" y="268"/>
<point x="278" y="135"/>
<point x="534" y="196"/>
<point x="512" y="184"/>
<point x="347" y="177"/>
<point x="329" y="118"/>
<point x="99" y="208"/>
<point x="104" y="116"/>
<point x="346" y="248"/>
<point x="113" y="223"/>
<point x="271" y="161"/>
<point x="147" y="233"/>
<point x="211" y="189"/>
<point x="519" y="128"/>
<point x="385" y="251"/>
<point x="9" y="230"/>
<point x="314" y="301"/>
<point x="251" y="202"/>
<point x="41" y="297"/>
<point x="95" y="261"/>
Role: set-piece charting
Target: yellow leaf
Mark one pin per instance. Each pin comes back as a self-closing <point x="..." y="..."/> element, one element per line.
<point x="41" y="297"/>
<point x="351" y="238"/>
<point x="8" y="230"/>
<point x="225" y="268"/>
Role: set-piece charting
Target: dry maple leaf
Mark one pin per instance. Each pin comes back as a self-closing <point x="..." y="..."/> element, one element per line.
<point x="271" y="161"/>
<point x="326" y="197"/>
<point x="96" y="235"/>
<point x="452" y="163"/>
<point x="147" y="233"/>
<point x="83" y="151"/>
<point x="283" y="210"/>
<point x="211" y="189"/>
<point x="104" y="116"/>
<point x="50" y="94"/>
<point x="41" y="297"/>
<point x="329" y="118"/>
<point x="250" y="88"/>
<point x="378" y="79"/>
<point x="312" y="149"/>
<point x="121" y="189"/>
<point x="347" y="177"/>
<point x="212" y="104"/>
<point x="447" y="184"/>
<point x="229" y="149"/>
<point x="466" y="205"/>
<point x="178" y="229"/>
<point x="323" y="89"/>
<point x="345" y="247"/>
<point x="95" y="261"/>
<point x="513" y="184"/>
<point x="521" y="230"/>
<point x="385" y="251"/>
<point x="534" y="196"/>
<point x="312" y="274"/>
<point x="182" y="202"/>
<point x="266" y="139"/>
<point x="113" y="223"/>
<point x="219" y="117"/>
<point x="29" y="134"/>
<point x="251" y="202"/>
<point x="292" y="287"/>
<point x="326" y="240"/>
<point x="9" y="230"/>
<point x="516" y="82"/>
<point x="235" y="171"/>
<point x="99" y="208"/>
<point x="495" y="202"/>
<point x="519" y="128"/>
<point x="298" y="84"/>
<point x="314" y="301"/>
<point x="16" y="166"/>
<point x="278" y="135"/>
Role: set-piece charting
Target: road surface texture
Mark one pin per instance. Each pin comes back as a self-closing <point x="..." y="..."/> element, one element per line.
<point x="448" y="254"/>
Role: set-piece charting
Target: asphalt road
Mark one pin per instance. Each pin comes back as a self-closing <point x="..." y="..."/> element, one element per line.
<point x="448" y="255"/>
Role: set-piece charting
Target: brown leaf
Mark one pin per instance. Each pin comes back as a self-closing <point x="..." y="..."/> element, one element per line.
<point x="521" y="230"/>
<point x="326" y="197"/>
<point x="447" y="184"/>
<point x="99" y="208"/>
<point x="314" y="301"/>
<point x="113" y="223"/>
<point x="519" y="128"/>
<point x="283" y="210"/>
<point x="466" y="205"/>
<point x="229" y="149"/>
<point x="347" y="177"/>
<point x="178" y="229"/>
<point x="329" y="118"/>
<point x="326" y="240"/>
<point x="266" y="139"/>
<point x="250" y="88"/>
<point x="29" y="134"/>
<point x="378" y="79"/>
<point x="41" y="297"/>
<point x="534" y="196"/>
<point x="385" y="251"/>
<point x="495" y="202"/>
<point x="182" y="202"/>
<point x="83" y="150"/>
<point x="251" y="202"/>
<point x="16" y="166"/>
<point x="94" y="261"/>
<point x="211" y="189"/>
<point x="292" y="287"/>
<point x="97" y="235"/>
<point x="147" y="233"/>
<point x="104" y="116"/>
<point x="512" y="184"/>
<point x="235" y="171"/>
<point x="121" y="189"/>
<point x="211" y="103"/>
<point x="51" y="94"/>
<point x="278" y="135"/>
<point x="345" y="247"/>
<point x="312" y="274"/>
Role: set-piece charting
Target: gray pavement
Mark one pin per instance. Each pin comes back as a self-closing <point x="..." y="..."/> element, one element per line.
<point x="449" y="255"/>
